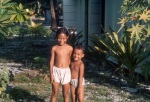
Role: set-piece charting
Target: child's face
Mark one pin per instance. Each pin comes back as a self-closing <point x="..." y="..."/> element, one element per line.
<point x="78" y="54"/>
<point x="62" y="39"/>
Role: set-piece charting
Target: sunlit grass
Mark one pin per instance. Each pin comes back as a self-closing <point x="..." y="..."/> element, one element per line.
<point x="37" y="89"/>
<point x="102" y="93"/>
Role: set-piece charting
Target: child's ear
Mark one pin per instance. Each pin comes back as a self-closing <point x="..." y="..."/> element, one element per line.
<point x="82" y="55"/>
<point x="67" y="37"/>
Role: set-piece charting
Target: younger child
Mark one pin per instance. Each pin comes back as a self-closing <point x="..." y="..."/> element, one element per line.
<point x="59" y="65"/>
<point x="77" y="73"/>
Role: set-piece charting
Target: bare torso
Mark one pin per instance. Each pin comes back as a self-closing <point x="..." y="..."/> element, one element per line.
<point x="75" y="68"/>
<point x="62" y="56"/>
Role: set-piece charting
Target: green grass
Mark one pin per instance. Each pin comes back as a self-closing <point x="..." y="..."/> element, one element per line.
<point x="35" y="88"/>
<point x="103" y="93"/>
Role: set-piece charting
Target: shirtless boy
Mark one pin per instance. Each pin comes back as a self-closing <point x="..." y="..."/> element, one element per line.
<point x="77" y="73"/>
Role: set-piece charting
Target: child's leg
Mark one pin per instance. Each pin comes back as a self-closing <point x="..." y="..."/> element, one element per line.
<point x="73" y="94"/>
<point x="81" y="95"/>
<point x="65" y="91"/>
<point x="55" y="89"/>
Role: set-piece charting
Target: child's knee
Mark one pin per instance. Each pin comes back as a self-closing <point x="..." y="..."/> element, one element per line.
<point x="54" y="94"/>
<point x="66" y="94"/>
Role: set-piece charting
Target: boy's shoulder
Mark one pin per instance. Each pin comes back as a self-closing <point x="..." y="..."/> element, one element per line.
<point x="79" y="63"/>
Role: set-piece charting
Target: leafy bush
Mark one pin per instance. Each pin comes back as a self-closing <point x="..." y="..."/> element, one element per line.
<point x="9" y="13"/>
<point x="3" y="23"/>
<point x="41" y="63"/>
<point x="37" y="30"/>
<point x="99" y="56"/>
<point x="4" y="80"/>
<point x="146" y="71"/>
<point x="75" y="38"/>
<point x="132" y="48"/>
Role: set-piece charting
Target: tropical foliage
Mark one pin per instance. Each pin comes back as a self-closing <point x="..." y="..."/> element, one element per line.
<point x="100" y="56"/>
<point x="75" y="38"/>
<point x="130" y="49"/>
<point x="14" y="12"/>
<point x="18" y="13"/>
<point x="10" y="12"/>
<point x="37" y="29"/>
<point x="4" y="80"/>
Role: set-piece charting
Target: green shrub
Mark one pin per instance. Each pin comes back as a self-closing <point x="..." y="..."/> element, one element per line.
<point x="132" y="48"/>
<point x="4" y="80"/>
<point x="41" y="63"/>
<point x="37" y="29"/>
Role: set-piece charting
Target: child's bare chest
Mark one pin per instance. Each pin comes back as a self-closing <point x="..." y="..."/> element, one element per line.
<point x="62" y="52"/>
<point x="75" y="67"/>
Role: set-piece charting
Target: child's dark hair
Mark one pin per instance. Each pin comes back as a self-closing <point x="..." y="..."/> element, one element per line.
<point x="62" y="30"/>
<point x="79" y="47"/>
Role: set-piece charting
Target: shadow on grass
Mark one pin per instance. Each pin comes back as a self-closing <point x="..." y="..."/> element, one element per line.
<point x="21" y="95"/>
<point x="23" y="50"/>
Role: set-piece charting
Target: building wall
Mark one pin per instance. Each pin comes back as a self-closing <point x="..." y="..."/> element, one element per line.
<point x="70" y="13"/>
<point x="95" y="14"/>
<point x="112" y="8"/>
<point x="74" y="12"/>
<point x="74" y="15"/>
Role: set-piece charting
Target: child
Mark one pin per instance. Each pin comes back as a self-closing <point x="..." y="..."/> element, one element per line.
<point x="59" y="65"/>
<point x="77" y="73"/>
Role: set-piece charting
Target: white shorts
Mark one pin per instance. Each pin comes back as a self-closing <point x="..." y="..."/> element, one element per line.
<point x="61" y="75"/>
<point x="74" y="82"/>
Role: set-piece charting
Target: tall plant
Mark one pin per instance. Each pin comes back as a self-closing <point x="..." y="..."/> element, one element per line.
<point x="132" y="48"/>
<point x="100" y="57"/>
<point x="18" y="13"/>
<point x="10" y="12"/>
<point x="4" y="19"/>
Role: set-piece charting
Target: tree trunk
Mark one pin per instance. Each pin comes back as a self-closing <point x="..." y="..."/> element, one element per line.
<point x="53" y="14"/>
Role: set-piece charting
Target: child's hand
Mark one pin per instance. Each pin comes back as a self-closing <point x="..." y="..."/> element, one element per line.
<point x="78" y="90"/>
<point x="51" y="79"/>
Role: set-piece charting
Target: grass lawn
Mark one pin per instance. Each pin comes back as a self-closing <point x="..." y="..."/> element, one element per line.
<point x="25" y="88"/>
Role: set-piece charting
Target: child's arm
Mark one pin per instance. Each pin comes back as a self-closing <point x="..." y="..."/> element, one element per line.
<point x="51" y="64"/>
<point x="71" y="50"/>
<point x="81" y="74"/>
